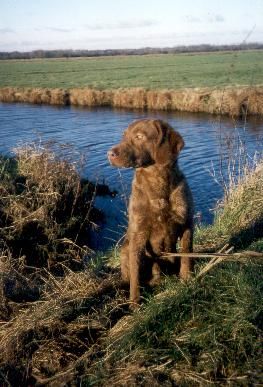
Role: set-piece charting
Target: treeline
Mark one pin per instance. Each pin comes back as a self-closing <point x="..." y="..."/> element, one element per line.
<point x="137" y="51"/>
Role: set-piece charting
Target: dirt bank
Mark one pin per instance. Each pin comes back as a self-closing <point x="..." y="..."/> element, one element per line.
<point x="233" y="101"/>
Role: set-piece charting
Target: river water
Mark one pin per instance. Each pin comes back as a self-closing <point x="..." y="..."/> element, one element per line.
<point x="91" y="132"/>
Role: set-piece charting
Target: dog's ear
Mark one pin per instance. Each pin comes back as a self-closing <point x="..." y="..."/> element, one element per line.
<point x="176" y="142"/>
<point x="169" y="144"/>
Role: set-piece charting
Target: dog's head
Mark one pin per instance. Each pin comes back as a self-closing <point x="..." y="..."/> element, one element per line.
<point x="146" y="142"/>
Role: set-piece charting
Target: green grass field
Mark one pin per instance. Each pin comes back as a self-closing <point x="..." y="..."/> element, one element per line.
<point x="151" y="71"/>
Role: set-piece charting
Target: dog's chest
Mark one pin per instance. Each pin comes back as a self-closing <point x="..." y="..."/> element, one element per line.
<point x="150" y="198"/>
<point x="158" y="198"/>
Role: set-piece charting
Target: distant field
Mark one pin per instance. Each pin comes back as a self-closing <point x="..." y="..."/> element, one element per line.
<point x="151" y="71"/>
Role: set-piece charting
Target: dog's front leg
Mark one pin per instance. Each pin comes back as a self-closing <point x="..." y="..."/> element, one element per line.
<point x="136" y="253"/>
<point x="187" y="247"/>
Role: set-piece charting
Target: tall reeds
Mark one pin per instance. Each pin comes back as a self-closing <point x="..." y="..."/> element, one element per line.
<point x="233" y="101"/>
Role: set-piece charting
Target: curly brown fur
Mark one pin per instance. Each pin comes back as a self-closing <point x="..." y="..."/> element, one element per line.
<point x="160" y="207"/>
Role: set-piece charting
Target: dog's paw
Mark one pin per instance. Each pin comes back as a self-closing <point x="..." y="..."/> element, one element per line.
<point x="155" y="281"/>
<point x="185" y="275"/>
<point x="134" y="305"/>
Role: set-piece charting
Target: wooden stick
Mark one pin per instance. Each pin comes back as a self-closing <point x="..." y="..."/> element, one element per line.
<point x="244" y="254"/>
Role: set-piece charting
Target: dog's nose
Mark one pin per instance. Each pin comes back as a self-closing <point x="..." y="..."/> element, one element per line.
<point x="113" y="153"/>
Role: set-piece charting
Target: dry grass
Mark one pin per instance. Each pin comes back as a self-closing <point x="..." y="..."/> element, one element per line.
<point x="233" y="101"/>
<point x="159" y="100"/>
<point x="239" y="216"/>
<point x="46" y="214"/>
<point x="48" y="338"/>
<point x="44" y="207"/>
<point x="62" y="300"/>
<point x="46" y="219"/>
<point x="130" y="98"/>
<point x="90" y="97"/>
<point x="35" y="95"/>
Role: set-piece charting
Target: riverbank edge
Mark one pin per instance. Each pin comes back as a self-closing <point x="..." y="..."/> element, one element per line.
<point x="74" y="327"/>
<point x="233" y="101"/>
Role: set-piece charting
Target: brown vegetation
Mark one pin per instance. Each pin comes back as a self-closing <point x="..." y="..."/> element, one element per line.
<point x="233" y="101"/>
<point x="134" y="98"/>
<point x="47" y="219"/>
<point x="35" y="95"/>
<point x="89" y="97"/>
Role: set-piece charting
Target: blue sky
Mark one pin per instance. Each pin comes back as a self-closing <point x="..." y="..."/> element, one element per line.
<point x="100" y="24"/>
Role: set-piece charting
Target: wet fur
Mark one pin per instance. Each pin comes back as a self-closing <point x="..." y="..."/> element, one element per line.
<point x="160" y="207"/>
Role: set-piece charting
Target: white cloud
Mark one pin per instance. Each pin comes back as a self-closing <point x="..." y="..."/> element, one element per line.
<point x="210" y="18"/>
<point x="193" y="19"/>
<point x="217" y="18"/>
<point x="126" y="24"/>
<point x="6" y="31"/>
<point x="55" y="29"/>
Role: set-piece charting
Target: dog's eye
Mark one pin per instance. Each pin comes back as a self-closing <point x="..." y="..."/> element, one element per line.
<point x="139" y="136"/>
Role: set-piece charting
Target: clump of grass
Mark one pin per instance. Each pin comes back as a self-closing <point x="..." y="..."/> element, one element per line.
<point x="51" y="336"/>
<point x="160" y="100"/>
<point x="257" y="245"/>
<point x="46" y="210"/>
<point x="35" y="95"/>
<point x="239" y="216"/>
<point x="132" y="98"/>
<point x="90" y="97"/>
<point x="47" y="220"/>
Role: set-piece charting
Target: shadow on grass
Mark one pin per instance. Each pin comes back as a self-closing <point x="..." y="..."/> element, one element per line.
<point x="245" y="237"/>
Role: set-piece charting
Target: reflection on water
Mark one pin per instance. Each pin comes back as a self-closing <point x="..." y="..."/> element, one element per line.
<point x="93" y="131"/>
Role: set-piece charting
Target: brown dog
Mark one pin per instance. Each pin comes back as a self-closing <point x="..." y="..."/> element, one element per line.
<point x="161" y="205"/>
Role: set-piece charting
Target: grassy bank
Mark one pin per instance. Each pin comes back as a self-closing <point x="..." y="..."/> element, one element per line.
<point x="47" y="219"/>
<point x="239" y="101"/>
<point x="77" y="328"/>
<point x="149" y="71"/>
